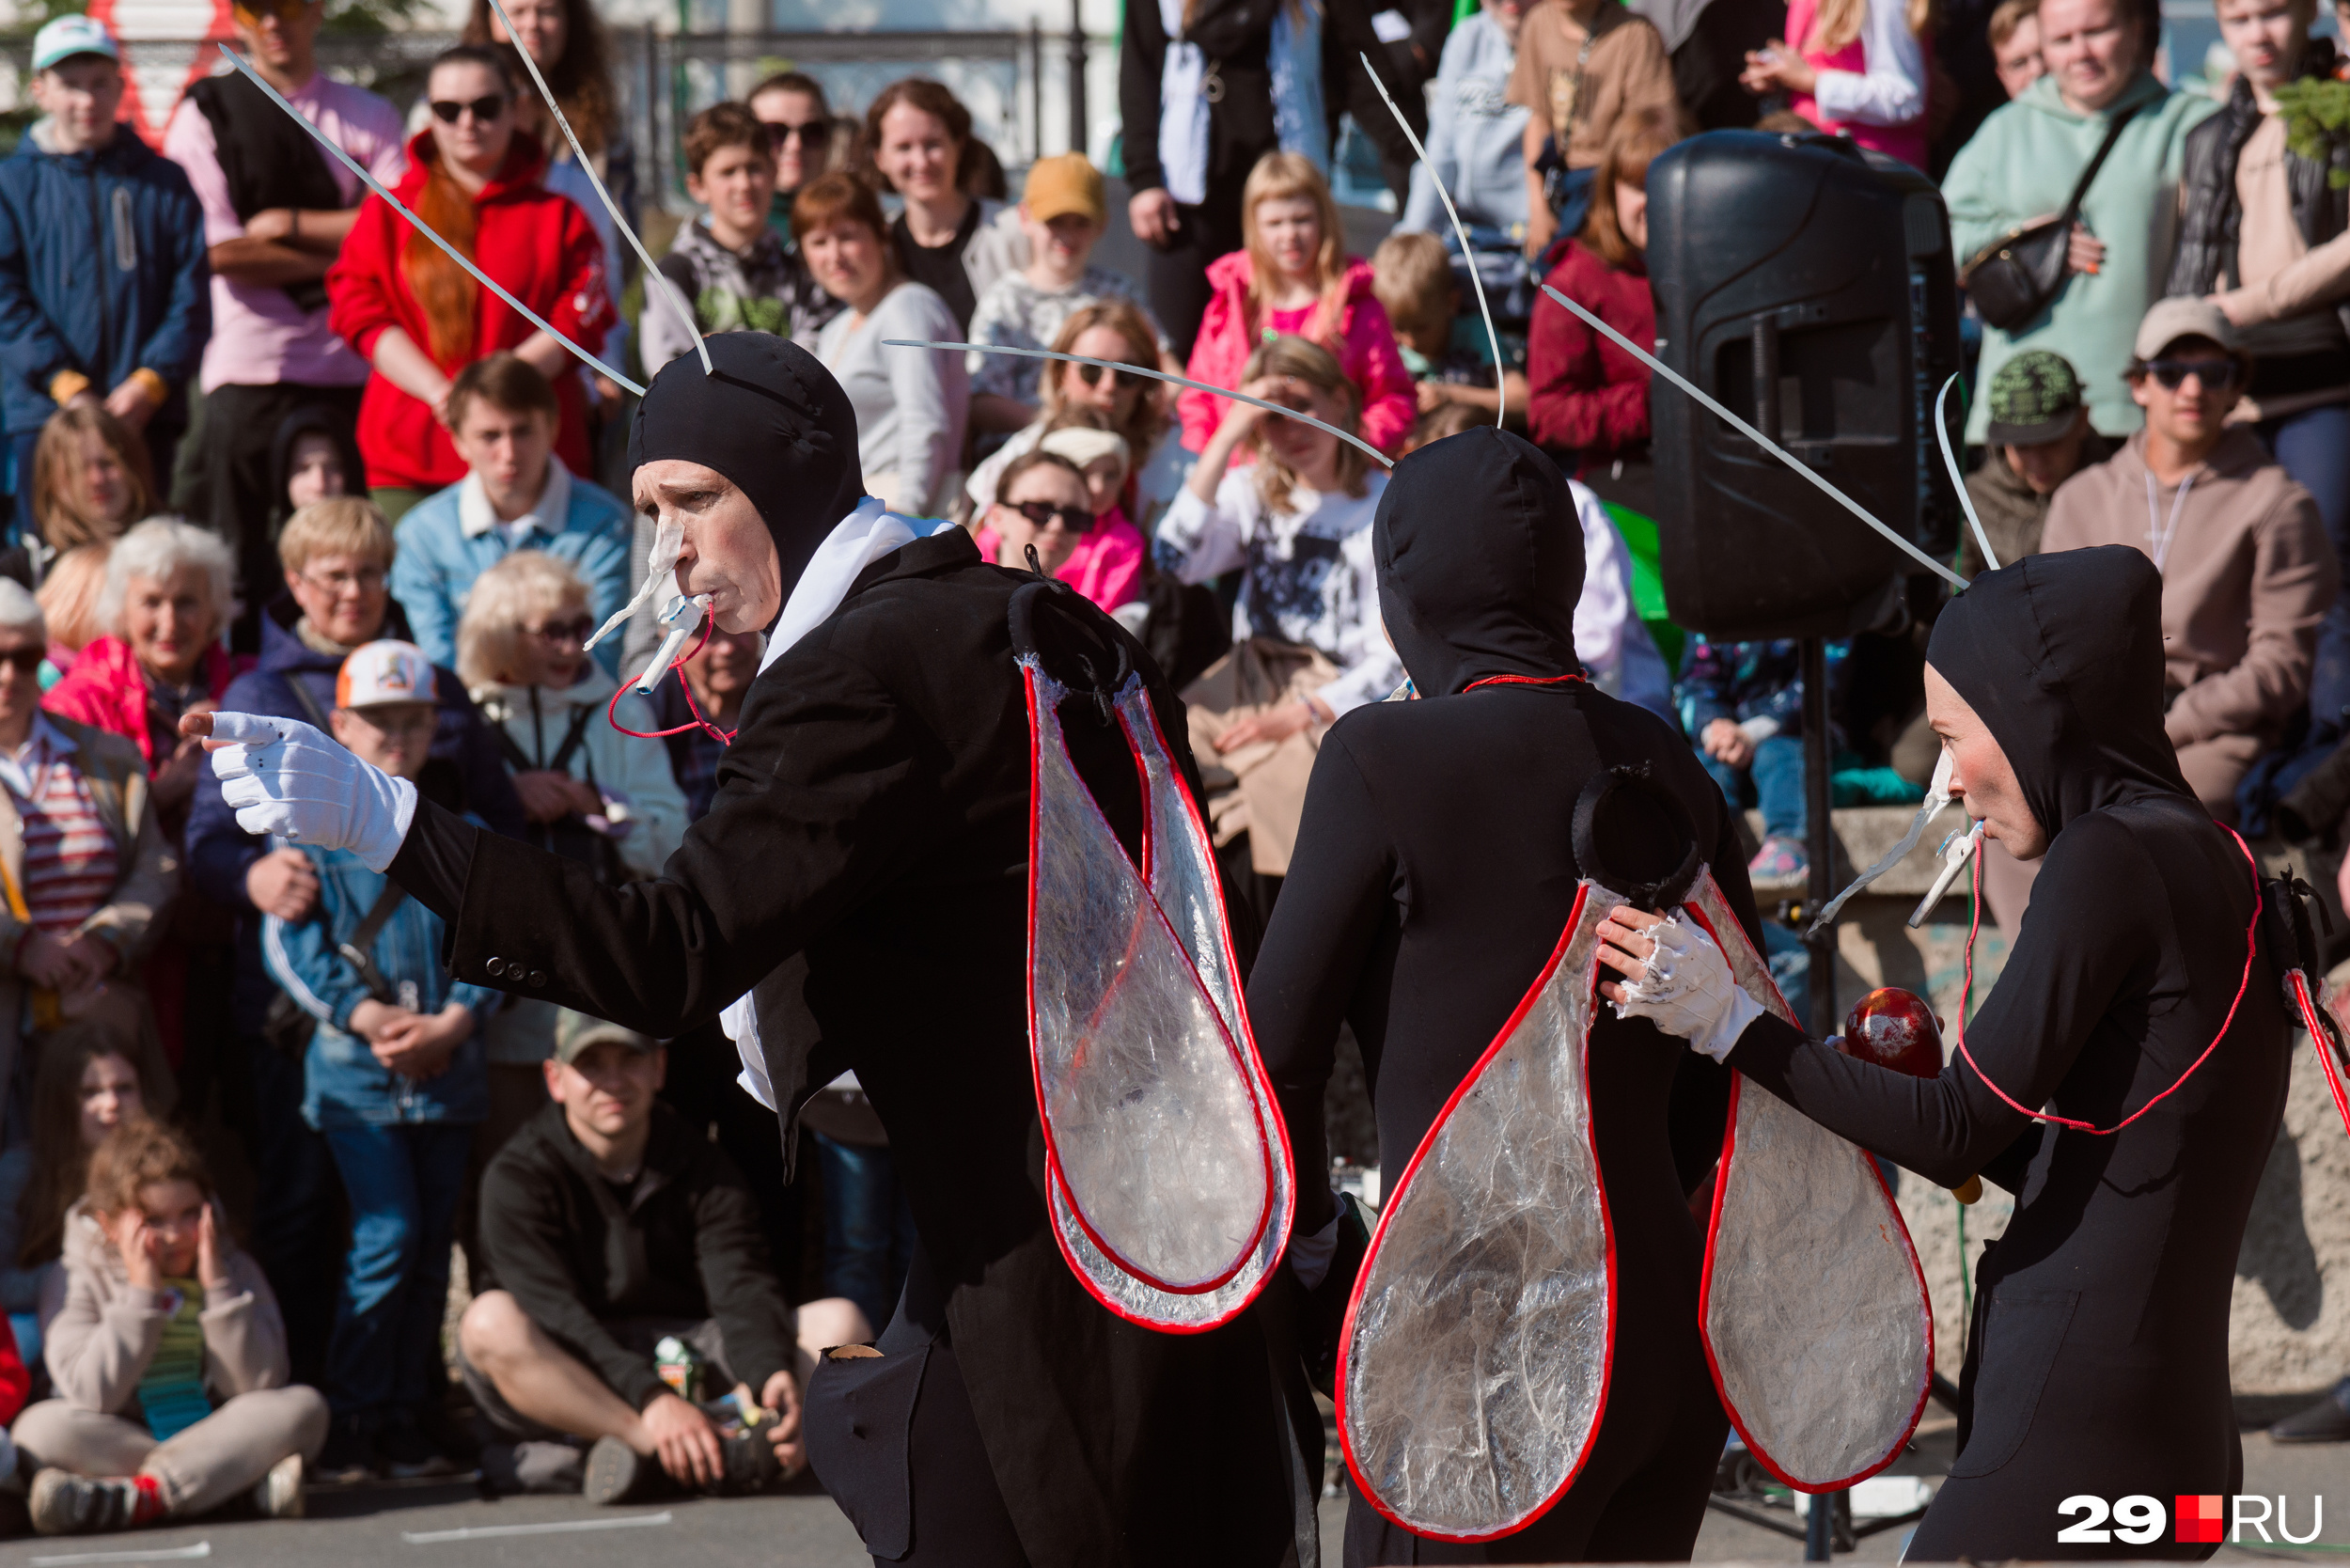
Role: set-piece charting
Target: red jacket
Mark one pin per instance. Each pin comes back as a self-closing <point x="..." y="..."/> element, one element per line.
<point x="1586" y="396"/>
<point x="1363" y="340"/>
<point x="107" y="690"/>
<point x="535" y="241"/>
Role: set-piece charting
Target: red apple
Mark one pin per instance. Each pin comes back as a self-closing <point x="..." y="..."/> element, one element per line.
<point x="1895" y="1028"/>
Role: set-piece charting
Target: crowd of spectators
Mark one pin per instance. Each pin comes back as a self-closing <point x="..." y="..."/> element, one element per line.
<point x="394" y="529"/>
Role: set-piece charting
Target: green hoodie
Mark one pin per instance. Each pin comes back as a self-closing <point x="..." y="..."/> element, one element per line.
<point x="2021" y="166"/>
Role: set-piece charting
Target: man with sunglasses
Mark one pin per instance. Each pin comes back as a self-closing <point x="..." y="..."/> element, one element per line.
<point x="276" y="211"/>
<point x="791" y="105"/>
<point x="2246" y="570"/>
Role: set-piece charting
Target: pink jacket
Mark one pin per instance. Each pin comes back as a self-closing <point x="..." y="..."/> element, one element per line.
<point x="1107" y="565"/>
<point x="1365" y="343"/>
<point x="107" y="690"/>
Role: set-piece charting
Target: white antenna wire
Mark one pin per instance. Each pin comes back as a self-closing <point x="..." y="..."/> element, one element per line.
<point x="1125" y="369"/>
<point x="654" y="281"/>
<point x="423" y="228"/>
<point x="1477" y="281"/>
<point x="1751" y="434"/>
<point x="1958" y="480"/>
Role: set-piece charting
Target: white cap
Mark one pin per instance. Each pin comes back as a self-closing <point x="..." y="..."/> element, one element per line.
<point x="381" y="672"/>
<point x="69" y="36"/>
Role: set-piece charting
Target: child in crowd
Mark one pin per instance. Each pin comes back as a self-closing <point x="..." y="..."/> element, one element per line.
<point x="392" y="1080"/>
<point x="1741" y="704"/>
<point x="1448" y="352"/>
<point x="313" y="457"/>
<point x="1438" y="422"/>
<point x="1292" y="278"/>
<point x="91" y="478"/>
<point x="167" y="1354"/>
<point x="1581" y="66"/>
<point x="1062" y="214"/>
<point x="1856" y="68"/>
<point x="2015" y="45"/>
<point x="734" y="272"/>
<point x="1102" y="560"/>
<point x="70" y="591"/>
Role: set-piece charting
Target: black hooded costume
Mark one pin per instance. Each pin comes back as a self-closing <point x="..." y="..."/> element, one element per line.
<point x="872" y="816"/>
<point x="1435" y="870"/>
<point x="2097" y="1360"/>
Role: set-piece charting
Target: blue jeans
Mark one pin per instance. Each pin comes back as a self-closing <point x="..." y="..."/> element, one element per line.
<point x="1776" y="776"/>
<point x="2313" y="446"/>
<point x="404" y="1182"/>
<point x="297" y="1211"/>
<point x="868" y="1228"/>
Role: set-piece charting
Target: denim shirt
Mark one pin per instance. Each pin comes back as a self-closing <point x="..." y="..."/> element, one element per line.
<point x="342" y="1082"/>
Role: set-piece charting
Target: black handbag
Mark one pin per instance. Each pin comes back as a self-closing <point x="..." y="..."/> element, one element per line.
<point x="2013" y="278"/>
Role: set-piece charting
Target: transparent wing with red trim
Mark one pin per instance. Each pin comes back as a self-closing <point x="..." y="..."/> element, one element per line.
<point x="1476" y="1360"/>
<point x="1814" y="1314"/>
<point x="1157" y="1153"/>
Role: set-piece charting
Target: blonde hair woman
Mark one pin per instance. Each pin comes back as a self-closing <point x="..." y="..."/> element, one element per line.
<point x="1133" y="406"/>
<point x="1858" y="67"/>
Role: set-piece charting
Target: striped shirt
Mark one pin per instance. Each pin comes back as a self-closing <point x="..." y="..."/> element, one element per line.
<point x="70" y="859"/>
<point x="171" y="1390"/>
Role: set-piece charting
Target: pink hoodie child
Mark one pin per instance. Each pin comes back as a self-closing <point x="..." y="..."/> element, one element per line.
<point x="1364" y="342"/>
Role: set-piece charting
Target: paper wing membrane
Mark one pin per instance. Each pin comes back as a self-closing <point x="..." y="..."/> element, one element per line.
<point x="1813" y="1308"/>
<point x="1475" y="1360"/>
<point x="1160" y="1173"/>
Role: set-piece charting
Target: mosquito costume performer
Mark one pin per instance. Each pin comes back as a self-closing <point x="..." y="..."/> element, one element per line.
<point x="2143" y="1006"/>
<point x="874" y="815"/>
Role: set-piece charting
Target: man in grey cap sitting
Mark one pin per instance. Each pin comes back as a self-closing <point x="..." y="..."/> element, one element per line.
<point x="627" y="1295"/>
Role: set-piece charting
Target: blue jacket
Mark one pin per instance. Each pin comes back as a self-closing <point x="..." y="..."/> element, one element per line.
<point x="470" y="777"/>
<point x="342" y="1082"/>
<point x="103" y="270"/>
<point x="439" y="558"/>
<point x="1476" y="137"/>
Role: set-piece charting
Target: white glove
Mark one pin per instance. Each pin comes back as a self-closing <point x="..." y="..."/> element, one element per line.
<point x="286" y="780"/>
<point x="1685" y="988"/>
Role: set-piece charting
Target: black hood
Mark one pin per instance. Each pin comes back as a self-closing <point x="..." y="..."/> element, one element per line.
<point x="2061" y="655"/>
<point x="306" y="421"/>
<point x="1481" y="562"/>
<point x="770" y="417"/>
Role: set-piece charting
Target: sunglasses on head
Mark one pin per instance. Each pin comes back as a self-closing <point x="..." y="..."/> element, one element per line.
<point x="24" y="661"/>
<point x="449" y="110"/>
<point x="1042" y="513"/>
<point x="806" y="134"/>
<point x="2216" y="372"/>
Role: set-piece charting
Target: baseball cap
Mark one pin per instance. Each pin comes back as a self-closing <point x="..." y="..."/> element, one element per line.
<point x="2182" y="317"/>
<point x="2035" y="397"/>
<point x="1063" y="184"/>
<point x="69" y="36"/>
<point x="377" y="673"/>
<point x="575" y="1033"/>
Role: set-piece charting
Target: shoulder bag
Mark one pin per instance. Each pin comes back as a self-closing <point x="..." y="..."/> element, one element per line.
<point x="2014" y="277"/>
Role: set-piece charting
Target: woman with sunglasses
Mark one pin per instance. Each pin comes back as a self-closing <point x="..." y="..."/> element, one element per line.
<point x="2247" y="572"/>
<point x="476" y="178"/>
<point x="1052" y="501"/>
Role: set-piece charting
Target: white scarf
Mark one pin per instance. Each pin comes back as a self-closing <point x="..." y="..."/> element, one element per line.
<point x="855" y="542"/>
<point x="1182" y="111"/>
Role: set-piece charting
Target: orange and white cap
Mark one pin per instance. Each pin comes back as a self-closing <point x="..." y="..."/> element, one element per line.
<point x="382" y="672"/>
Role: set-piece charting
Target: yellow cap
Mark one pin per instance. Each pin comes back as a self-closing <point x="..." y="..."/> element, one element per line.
<point x="1062" y="186"/>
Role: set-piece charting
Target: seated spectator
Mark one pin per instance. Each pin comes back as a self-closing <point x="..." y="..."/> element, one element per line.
<point x="1448" y="354"/>
<point x="2276" y="261"/>
<point x="90" y="478"/>
<point x="337" y="554"/>
<point x="392" y="1080"/>
<point x="1476" y="137"/>
<point x="81" y="331"/>
<point x="167" y="1354"/>
<point x="16" y="1381"/>
<point x="1292" y="278"/>
<point x="1742" y="705"/>
<point x="2039" y="437"/>
<point x="1588" y="403"/>
<point x="1134" y="406"/>
<point x="1102" y="558"/>
<point x="1041" y="504"/>
<point x="1062" y="214"/>
<point x="2248" y="573"/>
<point x="517" y="494"/>
<point x="732" y="270"/>
<point x="1582" y="66"/>
<point x="952" y="243"/>
<point x="911" y="403"/>
<point x="1857" y="69"/>
<point x="719" y="676"/>
<point x="313" y="458"/>
<point x="1610" y="640"/>
<point x="2014" y="34"/>
<point x="792" y="107"/>
<point x="2023" y="162"/>
<point x="419" y="318"/>
<point x="1296" y="525"/>
<point x="70" y="591"/>
<point x="609" y="1225"/>
<point x="1438" y="422"/>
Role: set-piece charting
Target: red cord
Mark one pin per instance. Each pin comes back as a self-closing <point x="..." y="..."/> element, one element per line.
<point x="2250" y="946"/>
<point x="1520" y="681"/>
<point x="723" y="737"/>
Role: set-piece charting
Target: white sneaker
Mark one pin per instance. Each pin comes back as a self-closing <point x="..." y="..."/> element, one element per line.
<point x="278" y="1493"/>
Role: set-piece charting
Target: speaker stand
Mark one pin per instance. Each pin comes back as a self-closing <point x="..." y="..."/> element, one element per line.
<point x="1820" y="836"/>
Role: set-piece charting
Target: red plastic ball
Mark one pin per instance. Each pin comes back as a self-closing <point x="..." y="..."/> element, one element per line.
<point x="1895" y="1028"/>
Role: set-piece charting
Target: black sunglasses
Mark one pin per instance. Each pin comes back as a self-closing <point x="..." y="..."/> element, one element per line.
<point x="806" y="133"/>
<point x="1091" y="374"/>
<point x="2217" y="374"/>
<point x="1075" y="519"/>
<point x="27" y="661"/>
<point x="446" y="110"/>
<point x="565" y="630"/>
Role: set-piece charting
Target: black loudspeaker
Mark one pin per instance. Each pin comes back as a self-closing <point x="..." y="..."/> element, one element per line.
<point x="1809" y="285"/>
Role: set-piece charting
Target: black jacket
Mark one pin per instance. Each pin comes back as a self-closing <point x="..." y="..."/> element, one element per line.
<point x="684" y="1243"/>
<point x="873" y="813"/>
